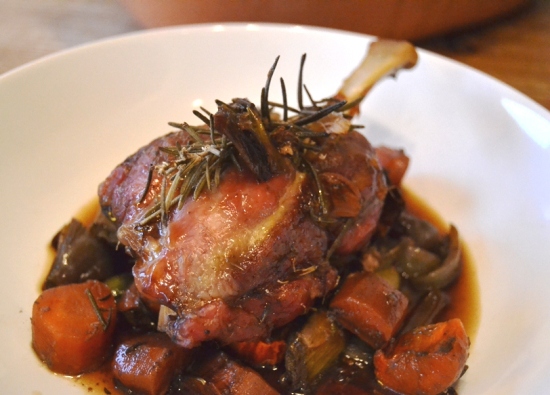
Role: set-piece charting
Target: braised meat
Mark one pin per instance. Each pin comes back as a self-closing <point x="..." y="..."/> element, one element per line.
<point x="250" y="254"/>
<point x="233" y="223"/>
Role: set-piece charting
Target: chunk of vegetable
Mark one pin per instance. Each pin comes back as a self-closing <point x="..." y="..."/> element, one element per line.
<point x="137" y="312"/>
<point x="313" y="350"/>
<point x="424" y="234"/>
<point x="230" y="378"/>
<point x="448" y="271"/>
<point x="73" y="326"/>
<point x="425" y="361"/>
<point x="369" y="307"/>
<point x="260" y="353"/>
<point x="427" y="309"/>
<point x="149" y="362"/>
<point x="79" y="257"/>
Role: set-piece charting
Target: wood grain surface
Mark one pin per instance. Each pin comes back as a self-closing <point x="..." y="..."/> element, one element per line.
<point x="516" y="50"/>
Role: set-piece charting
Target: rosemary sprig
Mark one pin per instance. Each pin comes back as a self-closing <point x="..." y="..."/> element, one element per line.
<point x="97" y="310"/>
<point x="320" y="114"/>
<point x="190" y="169"/>
<point x="300" y="82"/>
<point x="285" y="101"/>
<point x="265" y="93"/>
<point x="198" y="165"/>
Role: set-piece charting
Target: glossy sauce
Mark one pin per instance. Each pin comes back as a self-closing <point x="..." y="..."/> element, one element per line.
<point x="465" y="303"/>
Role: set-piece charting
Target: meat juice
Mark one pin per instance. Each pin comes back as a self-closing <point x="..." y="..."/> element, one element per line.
<point x="465" y="303"/>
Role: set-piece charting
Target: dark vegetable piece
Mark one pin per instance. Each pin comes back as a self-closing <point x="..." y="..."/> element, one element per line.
<point x="449" y="269"/>
<point x="148" y="363"/>
<point x="413" y="261"/>
<point x="425" y="361"/>
<point x="79" y="257"/>
<point x="139" y="314"/>
<point x="103" y="228"/>
<point x="426" y="310"/>
<point x="369" y="307"/>
<point x="380" y="257"/>
<point x="423" y="233"/>
<point x="260" y="353"/>
<point x="314" y="349"/>
<point x="73" y="327"/>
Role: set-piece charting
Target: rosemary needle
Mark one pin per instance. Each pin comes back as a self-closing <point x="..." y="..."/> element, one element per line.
<point x="104" y="324"/>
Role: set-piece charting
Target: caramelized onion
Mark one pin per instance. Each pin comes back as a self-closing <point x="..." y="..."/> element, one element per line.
<point x="414" y="261"/>
<point x="426" y="310"/>
<point x="424" y="234"/>
<point x="448" y="271"/>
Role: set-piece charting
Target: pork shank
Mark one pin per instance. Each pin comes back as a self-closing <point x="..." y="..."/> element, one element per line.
<point x="251" y="253"/>
<point x="248" y="255"/>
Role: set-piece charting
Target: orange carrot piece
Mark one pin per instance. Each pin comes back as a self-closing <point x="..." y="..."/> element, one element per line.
<point x="73" y="327"/>
<point x="260" y="353"/>
<point x="147" y="363"/>
<point x="231" y="378"/>
<point x="426" y="361"/>
<point x="369" y="307"/>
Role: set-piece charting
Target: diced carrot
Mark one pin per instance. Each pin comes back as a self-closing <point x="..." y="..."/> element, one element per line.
<point x="147" y="363"/>
<point x="230" y="378"/>
<point x="244" y="381"/>
<point x="260" y="353"/>
<point x="426" y="361"/>
<point x="73" y="327"/>
<point x="369" y="307"/>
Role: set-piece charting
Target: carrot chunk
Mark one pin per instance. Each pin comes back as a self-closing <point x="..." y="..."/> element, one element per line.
<point x="260" y="353"/>
<point x="73" y="327"/>
<point x="148" y="363"/>
<point x="369" y="307"/>
<point x="231" y="378"/>
<point x="426" y="361"/>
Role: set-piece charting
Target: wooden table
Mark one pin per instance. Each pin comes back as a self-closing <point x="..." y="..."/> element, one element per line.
<point x="515" y="50"/>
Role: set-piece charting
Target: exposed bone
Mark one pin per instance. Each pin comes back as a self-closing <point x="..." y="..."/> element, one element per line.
<point x="384" y="57"/>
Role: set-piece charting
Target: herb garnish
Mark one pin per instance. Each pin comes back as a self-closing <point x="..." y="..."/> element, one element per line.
<point x="211" y="148"/>
<point x="98" y="311"/>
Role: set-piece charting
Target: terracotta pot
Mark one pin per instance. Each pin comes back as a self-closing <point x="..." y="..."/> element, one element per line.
<point x="401" y="19"/>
